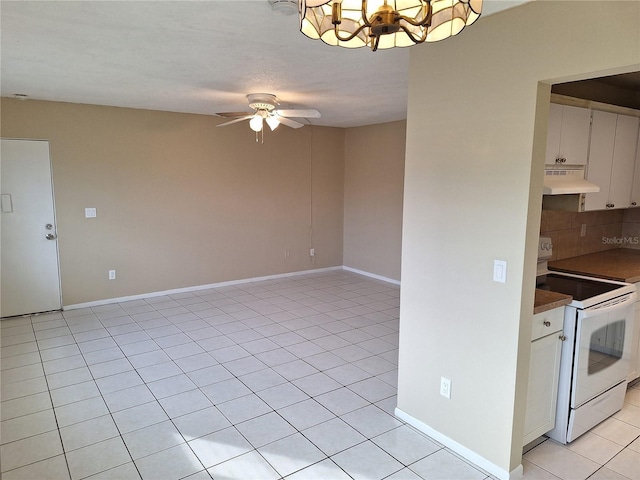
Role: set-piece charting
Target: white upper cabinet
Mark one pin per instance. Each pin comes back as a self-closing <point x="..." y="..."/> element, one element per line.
<point x="603" y="132"/>
<point x="624" y="158"/>
<point x="612" y="154"/>
<point x="567" y="135"/>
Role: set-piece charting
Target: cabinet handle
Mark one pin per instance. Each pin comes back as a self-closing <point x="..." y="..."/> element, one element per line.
<point x="562" y="338"/>
<point x="633" y="204"/>
<point x="561" y="160"/>
<point x="610" y="205"/>
<point x="546" y="323"/>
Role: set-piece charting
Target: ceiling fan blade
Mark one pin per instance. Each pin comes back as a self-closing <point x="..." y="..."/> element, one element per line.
<point x="233" y="114"/>
<point x="289" y="123"/>
<point x="310" y="113"/>
<point x="246" y="117"/>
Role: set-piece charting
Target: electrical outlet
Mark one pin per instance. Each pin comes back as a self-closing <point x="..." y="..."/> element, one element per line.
<point x="287" y="254"/>
<point x="312" y="252"/>
<point x="445" y="387"/>
<point x="583" y="230"/>
<point x="112" y="274"/>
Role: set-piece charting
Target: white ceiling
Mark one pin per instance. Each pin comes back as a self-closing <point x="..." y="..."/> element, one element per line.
<point x="195" y="57"/>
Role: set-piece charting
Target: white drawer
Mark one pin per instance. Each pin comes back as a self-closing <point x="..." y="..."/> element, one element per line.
<point x="547" y="322"/>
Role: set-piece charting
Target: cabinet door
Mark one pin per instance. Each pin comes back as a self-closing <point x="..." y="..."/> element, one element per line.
<point x="624" y="156"/>
<point x="635" y="192"/>
<point x="567" y="134"/>
<point x="603" y="132"/>
<point x="574" y="138"/>
<point x="544" y="371"/>
<point x="554" y="127"/>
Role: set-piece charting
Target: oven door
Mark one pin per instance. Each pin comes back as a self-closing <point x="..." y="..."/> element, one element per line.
<point x="603" y="348"/>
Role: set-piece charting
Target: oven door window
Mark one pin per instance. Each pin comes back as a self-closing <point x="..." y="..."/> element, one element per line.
<point x="606" y="346"/>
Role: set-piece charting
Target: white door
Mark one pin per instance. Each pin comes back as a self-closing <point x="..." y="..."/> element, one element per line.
<point x="29" y="247"/>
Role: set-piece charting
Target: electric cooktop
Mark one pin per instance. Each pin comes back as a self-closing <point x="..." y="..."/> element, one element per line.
<point x="579" y="288"/>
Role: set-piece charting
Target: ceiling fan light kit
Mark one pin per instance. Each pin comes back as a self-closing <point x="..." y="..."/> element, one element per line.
<point x="264" y="111"/>
<point x="272" y="122"/>
<point x="256" y="123"/>
<point x="382" y="24"/>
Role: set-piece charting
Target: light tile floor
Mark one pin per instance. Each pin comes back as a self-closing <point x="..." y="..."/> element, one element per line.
<point x="289" y="378"/>
<point x="610" y="451"/>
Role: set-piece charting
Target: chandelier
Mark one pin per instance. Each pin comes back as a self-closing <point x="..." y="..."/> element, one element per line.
<point x="384" y="24"/>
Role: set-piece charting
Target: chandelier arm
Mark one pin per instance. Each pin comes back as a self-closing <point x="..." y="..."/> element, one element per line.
<point x="365" y="20"/>
<point x="350" y="37"/>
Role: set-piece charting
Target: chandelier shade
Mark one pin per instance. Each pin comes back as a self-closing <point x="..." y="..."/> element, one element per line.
<point x="382" y="24"/>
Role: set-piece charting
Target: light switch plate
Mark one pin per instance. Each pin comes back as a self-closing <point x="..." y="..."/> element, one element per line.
<point x="500" y="271"/>
<point x="7" y="203"/>
<point x="90" y="213"/>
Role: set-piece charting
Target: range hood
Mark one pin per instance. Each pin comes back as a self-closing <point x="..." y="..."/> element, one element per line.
<point x="566" y="180"/>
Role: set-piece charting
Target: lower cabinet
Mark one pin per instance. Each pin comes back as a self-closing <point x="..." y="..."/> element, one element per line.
<point x="544" y="371"/>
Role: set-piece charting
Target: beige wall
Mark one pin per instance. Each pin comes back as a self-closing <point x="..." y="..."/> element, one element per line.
<point x="180" y="202"/>
<point x="373" y="190"/>
<point x="477" y="117"/>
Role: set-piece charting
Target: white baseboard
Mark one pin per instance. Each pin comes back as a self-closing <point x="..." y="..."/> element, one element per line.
<point x="142" y="296"/>
<point x="467" y="454"/>
<point x="196" y="288"/>
<point x="371" y="275"/>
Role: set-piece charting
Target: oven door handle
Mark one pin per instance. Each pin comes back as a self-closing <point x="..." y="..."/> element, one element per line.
<point x="592" y="312"/>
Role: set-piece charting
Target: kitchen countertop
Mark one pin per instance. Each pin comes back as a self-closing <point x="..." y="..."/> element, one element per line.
<point x="546" y="300"/>
<point x="621" y="264"/>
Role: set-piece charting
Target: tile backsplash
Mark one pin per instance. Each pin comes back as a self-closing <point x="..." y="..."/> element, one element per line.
<point x="631" y="228"/>
<point x="603" y="230"/>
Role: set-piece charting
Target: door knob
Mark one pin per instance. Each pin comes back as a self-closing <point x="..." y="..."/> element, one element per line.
<point x="50" y="236"/>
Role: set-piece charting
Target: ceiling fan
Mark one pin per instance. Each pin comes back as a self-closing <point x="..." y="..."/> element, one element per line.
<point x="264" y="110"/>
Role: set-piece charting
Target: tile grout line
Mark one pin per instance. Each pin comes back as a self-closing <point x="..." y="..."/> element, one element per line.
<point x="294" y="298"/>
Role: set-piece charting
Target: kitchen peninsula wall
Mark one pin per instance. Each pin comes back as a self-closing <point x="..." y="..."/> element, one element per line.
<point x="602" y="230"/>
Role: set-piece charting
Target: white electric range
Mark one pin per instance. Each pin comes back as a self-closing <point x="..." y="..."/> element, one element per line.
<point x="595" y="358"/>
